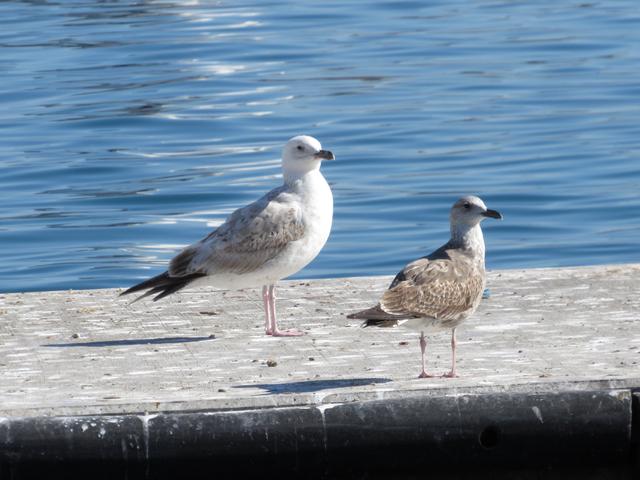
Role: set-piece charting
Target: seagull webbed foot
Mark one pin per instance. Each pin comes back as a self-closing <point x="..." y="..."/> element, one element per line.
<point x="292" y="332"/>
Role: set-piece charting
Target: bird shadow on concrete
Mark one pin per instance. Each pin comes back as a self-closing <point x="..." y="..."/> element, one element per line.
<point x="132" y="341"/>
<point x="314" y="385"/>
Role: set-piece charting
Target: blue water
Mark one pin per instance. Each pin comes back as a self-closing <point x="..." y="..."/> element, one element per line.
<point x="130" y="129"/>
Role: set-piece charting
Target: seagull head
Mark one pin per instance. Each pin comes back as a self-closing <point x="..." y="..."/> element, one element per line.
<point x="303" y="154"/>
<point x="470" y="211"/>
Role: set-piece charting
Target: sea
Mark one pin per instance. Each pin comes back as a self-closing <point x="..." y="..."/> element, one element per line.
<point x="130" y="129"/>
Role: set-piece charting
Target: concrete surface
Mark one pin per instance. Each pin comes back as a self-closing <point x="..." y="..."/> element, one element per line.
<point x="75" y="353"/>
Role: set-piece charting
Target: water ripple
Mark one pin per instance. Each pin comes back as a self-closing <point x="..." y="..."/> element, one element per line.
<point x="132" y="129"/>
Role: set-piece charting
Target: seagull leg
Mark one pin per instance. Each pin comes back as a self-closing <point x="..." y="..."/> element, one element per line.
<point x="452" y="373"/>
<point x="423" y="347"/>
<point x="267" y="314"/>
<point x="274" y="321"/>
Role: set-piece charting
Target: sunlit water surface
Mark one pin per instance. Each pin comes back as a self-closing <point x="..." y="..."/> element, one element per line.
<point x="132" y="129"/>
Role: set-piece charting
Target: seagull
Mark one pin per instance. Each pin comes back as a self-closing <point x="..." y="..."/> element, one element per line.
<point x="440" y="290"/>
<point x="263" y="242"/>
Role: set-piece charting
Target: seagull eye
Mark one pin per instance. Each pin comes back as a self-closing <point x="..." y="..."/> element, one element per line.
<point x="300" y="148"/>
<point x="467" y="205"/>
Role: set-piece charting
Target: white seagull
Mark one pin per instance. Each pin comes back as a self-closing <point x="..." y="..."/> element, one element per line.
<point x="266" y="241"/>
<point x="440" y="290"/>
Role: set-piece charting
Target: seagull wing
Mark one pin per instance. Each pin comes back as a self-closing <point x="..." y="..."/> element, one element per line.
<point x="249" y="238"/>
<point x="440" y="288"/>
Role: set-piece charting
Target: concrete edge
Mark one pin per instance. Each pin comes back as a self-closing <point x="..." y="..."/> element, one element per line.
<point x="517" y="429"/>
<point x="311" y="399"/>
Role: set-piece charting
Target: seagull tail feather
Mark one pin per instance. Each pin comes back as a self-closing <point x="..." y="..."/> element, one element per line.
<point x="162" y="285"/>
<point x="376" y="317"/>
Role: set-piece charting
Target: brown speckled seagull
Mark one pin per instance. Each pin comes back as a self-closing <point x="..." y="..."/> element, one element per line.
<point x="440" y="290"/>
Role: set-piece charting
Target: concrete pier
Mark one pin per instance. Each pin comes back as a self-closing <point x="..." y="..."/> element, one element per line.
<point x="548" y="366"/>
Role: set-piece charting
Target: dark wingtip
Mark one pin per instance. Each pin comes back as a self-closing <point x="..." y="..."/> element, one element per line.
<point x="359" y="316"/>
<point x="376" y="317"/>
<point x="152" y="282"/>
<point x="162" y="285"/>
<point x="363" y="314"/>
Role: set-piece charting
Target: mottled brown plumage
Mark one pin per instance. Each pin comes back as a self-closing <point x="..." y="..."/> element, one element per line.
<point x="446" y="290"/>
<point x="445" y="286"/>
<point x="441" y="290"/>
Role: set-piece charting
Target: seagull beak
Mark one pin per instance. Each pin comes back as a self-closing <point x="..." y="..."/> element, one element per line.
<point x="492" y="214"/>
<point x="326" y="154"/>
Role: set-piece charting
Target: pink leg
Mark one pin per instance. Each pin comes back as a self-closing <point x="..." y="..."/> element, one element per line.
<point x="274" y="321"/>
<point x="452" y="373"/>
<point x="267" y="313"/>
<point x="423" y="347"/>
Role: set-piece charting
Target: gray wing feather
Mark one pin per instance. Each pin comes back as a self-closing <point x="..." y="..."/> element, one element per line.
<point x="250" y="237"/>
